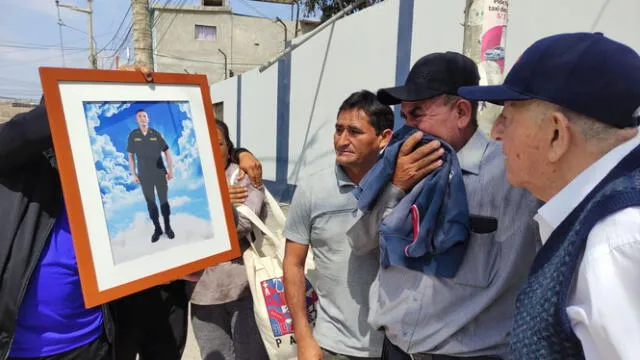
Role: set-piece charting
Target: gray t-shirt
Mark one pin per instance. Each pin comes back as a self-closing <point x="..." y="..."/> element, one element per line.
<point x="321" y="212"/>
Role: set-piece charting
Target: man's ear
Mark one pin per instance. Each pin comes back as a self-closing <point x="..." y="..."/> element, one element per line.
<point x="462" y="108"/>
<point x="385" y="137"/>
<point x="559" y="136"/>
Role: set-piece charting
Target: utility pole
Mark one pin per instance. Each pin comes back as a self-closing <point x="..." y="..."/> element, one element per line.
<point x="485" y="27"/>
<point x="93" y="60"/>
<point x="225" y="62"/>
<point x="60" y="33"/>
<point x="285" y="31"/>
<point x="473" y="12"/>
<point x="297" y="17"/>
<point x="142" y="33"/>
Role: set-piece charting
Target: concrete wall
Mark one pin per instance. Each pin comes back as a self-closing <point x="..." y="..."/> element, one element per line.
<point x="531" y="20"/>
<point x="287" y="113"/>
<point x="175" y="46"/>
<point x="247" y="41"/>
<point x="256" y="40"/>
<point x="256" y="126"/>
<point x="9" y="109"/>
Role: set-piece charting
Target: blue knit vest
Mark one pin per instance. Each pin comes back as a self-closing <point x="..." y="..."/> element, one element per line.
<point x="542" y="329"/>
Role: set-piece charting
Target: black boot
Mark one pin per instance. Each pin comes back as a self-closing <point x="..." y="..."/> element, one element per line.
<point x="167" y="228"/>
<point x="157" y="231"/>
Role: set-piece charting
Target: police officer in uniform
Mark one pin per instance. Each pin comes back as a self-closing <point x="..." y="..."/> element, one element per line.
<point x="148" y="145"/>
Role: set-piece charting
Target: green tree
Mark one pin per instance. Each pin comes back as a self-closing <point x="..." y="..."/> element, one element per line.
<point x="331" y="7"/>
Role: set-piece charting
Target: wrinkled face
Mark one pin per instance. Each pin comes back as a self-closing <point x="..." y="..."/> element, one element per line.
<point x="224" y="147"/>
<point x="526" y="140"/>
<point x="433" y="117"/>
<point x="355" y="140"/>
<point x="142" y="119"/>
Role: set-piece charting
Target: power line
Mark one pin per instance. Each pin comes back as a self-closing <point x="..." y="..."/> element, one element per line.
<point x="203" y="61"/>
<point x="13" y="44"/>
<point x="42" y="47"/>
<point x="48" y="45"/>
<point x="179" y="7"/>
<point x="39" y="60"/>
<point x="24" y="46"/>
<point x="60" y="32"/>
<point x="262" y="14"/>
<point x="115" y="35"/>
<point x="21" y="92"/>
<point x="254" y="9"/>
<point x="20" y="43"/>
<point x="155" y="21"/>
<point x="119" y="48"/>
<point x="18" y="80"/>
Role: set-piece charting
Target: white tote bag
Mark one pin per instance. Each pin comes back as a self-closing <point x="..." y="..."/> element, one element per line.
<point x="263" y="262"/>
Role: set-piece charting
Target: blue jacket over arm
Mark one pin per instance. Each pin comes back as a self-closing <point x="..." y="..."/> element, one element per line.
<point x="428" y="230"/>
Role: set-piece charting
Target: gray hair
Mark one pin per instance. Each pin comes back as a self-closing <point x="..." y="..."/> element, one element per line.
<point x="591" y="129"/>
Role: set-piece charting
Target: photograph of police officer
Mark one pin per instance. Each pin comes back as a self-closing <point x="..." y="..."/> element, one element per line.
<point x="146" y="146"/>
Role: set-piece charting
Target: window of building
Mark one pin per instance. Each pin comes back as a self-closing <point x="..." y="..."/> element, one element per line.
<point x="205" y="32"/>
<point x="213" y="2"/>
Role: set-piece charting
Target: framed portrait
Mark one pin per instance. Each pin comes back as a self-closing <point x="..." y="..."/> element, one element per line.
<point x="142" y="175"/>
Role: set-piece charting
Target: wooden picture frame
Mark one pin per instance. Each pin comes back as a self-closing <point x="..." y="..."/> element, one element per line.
<point x="97" y="124"/>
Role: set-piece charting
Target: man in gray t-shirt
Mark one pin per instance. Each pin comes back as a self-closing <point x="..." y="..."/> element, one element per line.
<point x="321" y="212"/>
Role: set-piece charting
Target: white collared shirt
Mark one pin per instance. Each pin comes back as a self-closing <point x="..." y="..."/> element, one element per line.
<point x="604" y="301"/>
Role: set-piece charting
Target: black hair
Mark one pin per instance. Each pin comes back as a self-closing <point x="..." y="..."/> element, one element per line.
<point x="380" y="115"/>
<point x="225" y="133"/>
<point x="449" y="100"/>
<point x="140" y="110"/>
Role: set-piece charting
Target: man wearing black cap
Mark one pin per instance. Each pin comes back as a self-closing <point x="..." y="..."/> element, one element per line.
<point x="468" y="316"/>
<point x="569" y="128"/>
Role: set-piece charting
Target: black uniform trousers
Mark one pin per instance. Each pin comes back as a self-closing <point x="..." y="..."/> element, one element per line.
<point x="151" y="183"/>
<point x="152" y="323"/>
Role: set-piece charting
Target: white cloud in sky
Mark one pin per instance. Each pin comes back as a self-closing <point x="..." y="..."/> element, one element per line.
<point x="179" y="201"/>
<point x="195" y="184"/>
<point x="186" y="109"/>
<point x="114" y="173"/>
<point x="114" y="176"/>
<point x="135" y="242"/>
<point x="188" y="159"/>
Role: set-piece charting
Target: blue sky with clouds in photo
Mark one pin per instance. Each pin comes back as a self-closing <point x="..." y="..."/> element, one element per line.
<point x="109" y="126"/>
<point x="30" y="37"/>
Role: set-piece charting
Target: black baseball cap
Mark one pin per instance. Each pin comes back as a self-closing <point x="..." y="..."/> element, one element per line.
<point x="434" y="74"/>
<point x="584" y="72"/>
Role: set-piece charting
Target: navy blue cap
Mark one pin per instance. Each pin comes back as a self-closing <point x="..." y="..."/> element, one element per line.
<point x="584" y="72"/>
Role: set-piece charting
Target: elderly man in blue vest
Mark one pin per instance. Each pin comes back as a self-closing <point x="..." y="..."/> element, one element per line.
<point x="569" y="128"/>
<point x="459" y="306"/>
